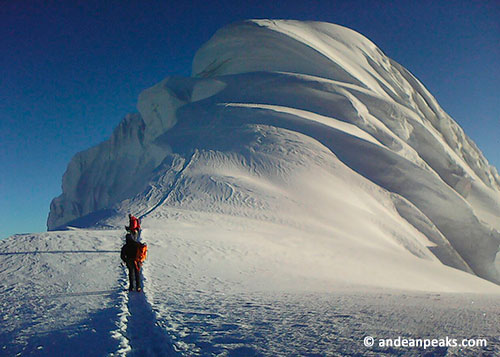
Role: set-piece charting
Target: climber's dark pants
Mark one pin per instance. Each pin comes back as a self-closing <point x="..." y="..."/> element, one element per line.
<point x="134" y="275"/>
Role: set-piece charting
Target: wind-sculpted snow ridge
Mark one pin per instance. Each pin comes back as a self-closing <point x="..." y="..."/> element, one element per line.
<point x="306" y="125"/>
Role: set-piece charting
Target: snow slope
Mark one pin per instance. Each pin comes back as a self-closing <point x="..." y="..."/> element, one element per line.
<point x="302" y="124"/>
<point x="240" y="290"/>
<point x="299" y="192"/>
<point x="63" y="294"/>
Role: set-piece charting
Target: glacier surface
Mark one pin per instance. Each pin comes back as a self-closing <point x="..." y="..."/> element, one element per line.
<point x="304" y="125"/>
<point x="299" y="193"/>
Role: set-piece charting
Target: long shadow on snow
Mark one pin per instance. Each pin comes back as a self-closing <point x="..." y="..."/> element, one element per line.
<point x="89" y="337"/>
<point x="61" y="252"/>
<point x="146" y="337"/>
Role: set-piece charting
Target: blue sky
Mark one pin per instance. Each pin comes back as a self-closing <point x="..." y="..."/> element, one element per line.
<point x="71" y="70"/>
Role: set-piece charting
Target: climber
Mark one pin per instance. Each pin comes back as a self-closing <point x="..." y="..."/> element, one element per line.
<point x="128" y="255"/>
<point x="134" y="227"/>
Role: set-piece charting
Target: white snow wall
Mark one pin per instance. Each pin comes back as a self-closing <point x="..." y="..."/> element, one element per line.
<point x="305" y="77"/>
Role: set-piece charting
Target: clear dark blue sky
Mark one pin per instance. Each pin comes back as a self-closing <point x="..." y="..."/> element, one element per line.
<point x="70" y="70"/>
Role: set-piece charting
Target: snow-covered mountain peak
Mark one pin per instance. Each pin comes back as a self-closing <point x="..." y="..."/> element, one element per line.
<point x="305" y="125"/>
<point x="314" y="48"/>
<point x="332" y="52"/>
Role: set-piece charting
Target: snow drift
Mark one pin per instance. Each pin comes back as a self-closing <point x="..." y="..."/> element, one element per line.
<point x="303" y="125"/>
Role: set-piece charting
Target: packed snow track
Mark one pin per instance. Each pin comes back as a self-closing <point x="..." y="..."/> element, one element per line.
<point x="64" y="293"/>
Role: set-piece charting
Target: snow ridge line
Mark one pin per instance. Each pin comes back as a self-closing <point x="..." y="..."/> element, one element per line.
<point x="138" y="332"/>
<point x="146" y="336"/>
<point x="120" y="333"/>
<point x="174" y="183"/>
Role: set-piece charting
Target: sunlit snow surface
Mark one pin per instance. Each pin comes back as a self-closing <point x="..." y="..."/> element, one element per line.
<point x="64" y="293"/>
<point x="288" y="121"/>
<point x="300" y="192"/>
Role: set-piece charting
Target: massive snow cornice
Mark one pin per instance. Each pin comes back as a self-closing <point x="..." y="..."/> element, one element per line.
<point x="313" y="48"/>
<point x="260" y="87"/>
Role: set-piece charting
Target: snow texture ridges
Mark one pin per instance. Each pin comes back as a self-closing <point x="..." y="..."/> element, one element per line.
<point x="297" y="123"/>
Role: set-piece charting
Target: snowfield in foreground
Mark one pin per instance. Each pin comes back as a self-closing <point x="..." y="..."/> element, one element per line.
<point x="220" y="291"/>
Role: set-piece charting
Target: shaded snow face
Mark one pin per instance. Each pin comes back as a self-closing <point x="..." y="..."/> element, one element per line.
<point x="297" y="124"/>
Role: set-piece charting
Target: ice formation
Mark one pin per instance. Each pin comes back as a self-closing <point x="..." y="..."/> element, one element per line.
<point x="301" y="124"/>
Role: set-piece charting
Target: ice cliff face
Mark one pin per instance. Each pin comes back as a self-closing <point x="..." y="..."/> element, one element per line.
<point x="297" y="123"/>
